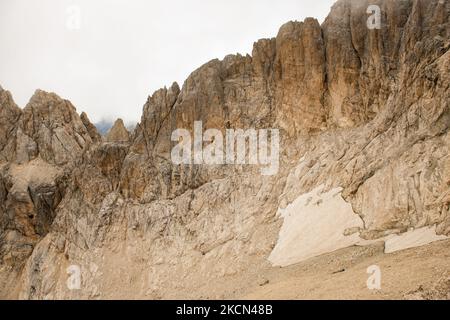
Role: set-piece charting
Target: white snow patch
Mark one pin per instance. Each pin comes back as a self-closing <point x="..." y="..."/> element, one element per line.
<point x="412" y="239"/>
<point x="314" y="224"/>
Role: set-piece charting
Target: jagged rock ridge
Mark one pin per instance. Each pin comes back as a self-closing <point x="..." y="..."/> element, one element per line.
<point x="118" y="133"/>
<point x="362" y="110"/>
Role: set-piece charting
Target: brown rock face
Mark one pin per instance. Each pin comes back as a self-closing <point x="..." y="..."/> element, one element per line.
<point x="39" y="145"/>
<point x="363" y="110"/>
<point x="54" y="125"/>
<point x="9" y="116"/>
<point x="91" y="129"/>
<point x="118" y="133"/>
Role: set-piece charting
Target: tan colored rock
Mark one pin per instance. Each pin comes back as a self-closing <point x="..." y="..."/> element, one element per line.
<point x="9" y="116"/>
<point x="362" y="110"/>
<point x="42" y="143"/>
<point x="54" y="125"/>
<point x="92" y="130"/>
<point x="118" y="132"/>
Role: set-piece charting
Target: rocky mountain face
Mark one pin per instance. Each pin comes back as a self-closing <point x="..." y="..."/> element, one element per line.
<point x="118" y="133"/>
<point x="363" y="115"/>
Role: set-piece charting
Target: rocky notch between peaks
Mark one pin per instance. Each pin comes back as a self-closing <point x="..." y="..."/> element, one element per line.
<point x="364" y="120"/>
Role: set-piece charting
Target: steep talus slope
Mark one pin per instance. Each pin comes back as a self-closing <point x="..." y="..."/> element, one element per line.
<point x="362" y="110"/>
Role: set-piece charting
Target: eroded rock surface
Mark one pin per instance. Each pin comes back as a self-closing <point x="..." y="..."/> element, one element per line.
<point x="39" y="147"/>
<point x="118" y="133"/>
<point x="365" y="111"/>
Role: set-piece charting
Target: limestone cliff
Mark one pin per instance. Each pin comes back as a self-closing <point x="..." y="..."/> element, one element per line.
<point x="364" y="118"/>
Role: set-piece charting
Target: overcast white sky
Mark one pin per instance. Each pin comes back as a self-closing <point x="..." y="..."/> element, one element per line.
<point x="124" y="50"/>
